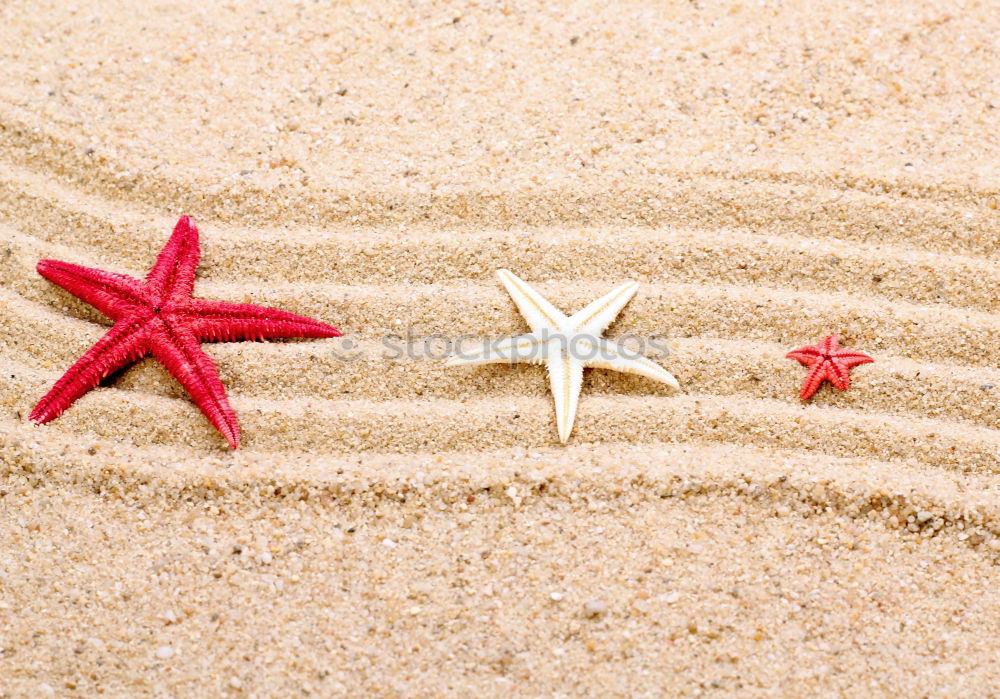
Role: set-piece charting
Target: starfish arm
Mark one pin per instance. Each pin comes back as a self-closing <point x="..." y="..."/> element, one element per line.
<point x="849" y="359"/>
<point x="597" y="315"/>
<point x="125" y="342"/>
<point x="608" y="356"/>
<point x="172" y="276"/>
<point x="838" y="374"/>
<point x="537" y="311"/>
<point x="511" y="350"/>
<point x="565" y="380"/>
<point x="112" y="294"/>
<point x="178" y="349"/>
<point x="814" y="378"/>
<point x="220" y="321"/>
<point x="806" y="356"/>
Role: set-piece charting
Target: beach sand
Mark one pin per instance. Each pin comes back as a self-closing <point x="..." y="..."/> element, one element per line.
<point x="770" y="174"/>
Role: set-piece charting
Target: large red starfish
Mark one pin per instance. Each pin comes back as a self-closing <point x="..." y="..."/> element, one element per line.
<point x="158" y="316"/>
<point x="827" y="361"/>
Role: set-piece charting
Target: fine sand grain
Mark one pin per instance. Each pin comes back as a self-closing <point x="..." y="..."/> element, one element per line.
<point x="770" y="173"/>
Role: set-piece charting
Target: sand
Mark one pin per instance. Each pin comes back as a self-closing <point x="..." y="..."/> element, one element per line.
<point x="393" y="527"/>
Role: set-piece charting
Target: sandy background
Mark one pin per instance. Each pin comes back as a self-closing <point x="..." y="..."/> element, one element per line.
<point x="770" y="173"/>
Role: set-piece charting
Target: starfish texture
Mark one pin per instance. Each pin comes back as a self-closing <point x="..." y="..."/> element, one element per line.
<point x="158" y="316"/>
<point x="827" y="361"/>
<point x="566" y="345"/>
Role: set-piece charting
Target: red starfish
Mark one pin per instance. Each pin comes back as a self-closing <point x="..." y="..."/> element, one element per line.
<point x="158" y="316"/>
<point x="827" y="362"/>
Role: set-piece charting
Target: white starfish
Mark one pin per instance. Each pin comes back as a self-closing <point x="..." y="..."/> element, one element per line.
<point x="566" y="345"/>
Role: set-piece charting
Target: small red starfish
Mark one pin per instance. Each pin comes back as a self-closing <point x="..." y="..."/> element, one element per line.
<point x="827" y="362"/>
<point x="158" y="316"/>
